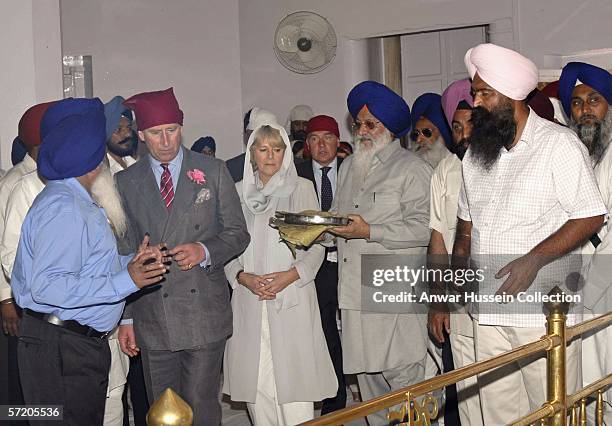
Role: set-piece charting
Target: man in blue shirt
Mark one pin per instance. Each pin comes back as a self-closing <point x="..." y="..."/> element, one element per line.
<point x="68" y="276"/>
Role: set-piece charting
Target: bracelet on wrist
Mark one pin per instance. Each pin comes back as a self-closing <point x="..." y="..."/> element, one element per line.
<point x="7" y="301"/>
<point x="238" y="274"/>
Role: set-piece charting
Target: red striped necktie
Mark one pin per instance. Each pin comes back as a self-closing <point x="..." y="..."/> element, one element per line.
<point x="165" y="186"/>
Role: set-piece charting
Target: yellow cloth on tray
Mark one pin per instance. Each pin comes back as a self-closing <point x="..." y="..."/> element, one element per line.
<point x="302" y="236"/>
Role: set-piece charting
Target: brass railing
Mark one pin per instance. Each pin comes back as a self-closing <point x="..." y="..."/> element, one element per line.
<point x="417" y="406"/>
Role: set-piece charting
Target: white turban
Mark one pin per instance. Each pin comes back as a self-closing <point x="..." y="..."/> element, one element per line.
<point x="260" y="117"/>
<point x="300" y="113"/>
<point x="505" y="70"/>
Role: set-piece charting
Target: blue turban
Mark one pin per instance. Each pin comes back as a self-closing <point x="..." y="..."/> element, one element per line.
<point x="595" y="77"/>
<point x="383" y="103"/>
<point x="208" y="141"/>
<point x="74" y="138"/>
<point x="18" y="151"/>
<point x="429" y="105"/>
<point x="113" y="111"/>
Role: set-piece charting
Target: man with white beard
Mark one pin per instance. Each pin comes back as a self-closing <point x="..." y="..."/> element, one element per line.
<point x="586" y="93"/>
<point x="68" y="277"/>
<point x="385" y="191"/>
<point x="430" y="137"/>
<point x="105" y="193"/>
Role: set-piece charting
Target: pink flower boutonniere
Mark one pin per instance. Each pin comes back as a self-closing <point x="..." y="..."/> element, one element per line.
<point x="197" y="176"/>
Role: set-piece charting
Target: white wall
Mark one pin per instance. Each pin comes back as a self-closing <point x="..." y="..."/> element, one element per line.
<point x="218" y="53"/>
<point x="561" y="27"/>
<point x="267" y="84"/>
<point x="145" y="45"/>
<point x="31" y="69"/>
<point x="359" y="19"/>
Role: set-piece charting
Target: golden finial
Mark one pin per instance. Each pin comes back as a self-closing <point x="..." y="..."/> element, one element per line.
<point x="170" y="410"/>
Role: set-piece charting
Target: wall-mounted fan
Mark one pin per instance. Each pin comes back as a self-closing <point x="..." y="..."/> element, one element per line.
<point x="305" y="42"/>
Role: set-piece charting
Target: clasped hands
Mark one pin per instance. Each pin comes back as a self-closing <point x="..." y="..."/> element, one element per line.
<point x="149" y="264"/>
<point x="269" y="285"/>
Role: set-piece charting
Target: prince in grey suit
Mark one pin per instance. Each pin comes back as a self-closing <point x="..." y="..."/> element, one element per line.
<point x="189" y="202"/>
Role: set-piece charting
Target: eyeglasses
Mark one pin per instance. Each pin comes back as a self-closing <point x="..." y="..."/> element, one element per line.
<point x="414" y="135"/>
<point x="370" y="125"/>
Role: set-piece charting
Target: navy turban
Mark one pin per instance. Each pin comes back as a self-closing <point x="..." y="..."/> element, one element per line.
<point x="113" y="111"/>
<point x="429" y="106"/>
<point x="384" y="104"/>
<point x="595" y="77"/>
<point x="18" y="151"/>
<point x="74" y="138"/>
<point x="207" y="141"/>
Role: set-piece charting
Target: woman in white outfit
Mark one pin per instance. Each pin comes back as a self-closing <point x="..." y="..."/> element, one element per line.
<point x="277" y="359"/>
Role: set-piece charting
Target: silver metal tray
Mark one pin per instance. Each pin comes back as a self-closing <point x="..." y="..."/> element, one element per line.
<point x="311" y="219"/>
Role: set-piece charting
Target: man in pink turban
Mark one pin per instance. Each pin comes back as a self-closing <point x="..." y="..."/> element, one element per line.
<point x="529" y="197"/>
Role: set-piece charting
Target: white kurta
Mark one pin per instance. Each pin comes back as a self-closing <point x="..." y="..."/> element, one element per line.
<point x="7" y="183"/>
<point x="445" y="188"/>
<point x="18" y="203"/>
<point x="303" y="370"/>
<point x="597" y="347"/>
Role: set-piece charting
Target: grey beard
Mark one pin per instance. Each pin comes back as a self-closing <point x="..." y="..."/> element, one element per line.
<point x="596" y="137"/>
<point x="105" y="194"/>
<point x="435" y="153"/>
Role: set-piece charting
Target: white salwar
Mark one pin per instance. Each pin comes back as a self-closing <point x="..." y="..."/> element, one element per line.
<point x="266" y="410"/>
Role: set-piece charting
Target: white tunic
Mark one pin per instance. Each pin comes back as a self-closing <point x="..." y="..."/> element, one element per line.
<point x="597" y="347"/>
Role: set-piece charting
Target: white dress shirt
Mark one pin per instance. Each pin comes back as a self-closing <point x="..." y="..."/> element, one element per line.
<point x="531" y="191"/>
<point x="332" y="174"/>
<point x="115" y="166"/>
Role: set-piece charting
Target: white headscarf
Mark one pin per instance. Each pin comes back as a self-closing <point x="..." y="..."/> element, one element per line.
<point x="256" y="196"/>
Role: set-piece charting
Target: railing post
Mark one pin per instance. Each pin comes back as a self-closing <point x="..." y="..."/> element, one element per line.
<point x="170" y="410"/>
<point x="555" y="357"/>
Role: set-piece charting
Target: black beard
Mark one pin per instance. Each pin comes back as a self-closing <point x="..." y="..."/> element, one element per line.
<point x="492" y="131"/>
<point x="299" y="135"/>
<point x="124" y="147"/>
<point x="460" y="148"/>
<point x="596" y="136"/>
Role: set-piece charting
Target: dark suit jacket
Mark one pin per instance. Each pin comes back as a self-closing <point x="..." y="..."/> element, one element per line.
<point x="190" y="308"/>
<point x="326" y="281"/>
<point x="236" y="167"/>
<point x="304" y="169"/>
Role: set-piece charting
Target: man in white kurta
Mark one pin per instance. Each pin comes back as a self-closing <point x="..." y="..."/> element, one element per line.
<point x="528" y="200"/>
<point x="385" y="190"/>
<point x="445" y="188"/>
<point x="29" y="133"/>
<point x="586" y="93"/>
